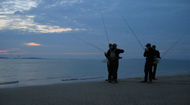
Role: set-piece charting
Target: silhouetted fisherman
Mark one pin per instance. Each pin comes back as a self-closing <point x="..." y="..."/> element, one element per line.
<point x="156" y="61"/>
<point x="110" y="75"/>
<point x="113" y="59"/>
<point x="149" y="54"/>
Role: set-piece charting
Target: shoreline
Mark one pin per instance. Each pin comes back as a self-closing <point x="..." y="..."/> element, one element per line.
<point x="167" y="90"/>
<point x="17" y="84"/>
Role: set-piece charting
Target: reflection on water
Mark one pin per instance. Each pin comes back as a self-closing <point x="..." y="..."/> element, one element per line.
<point x="49" y="71"/>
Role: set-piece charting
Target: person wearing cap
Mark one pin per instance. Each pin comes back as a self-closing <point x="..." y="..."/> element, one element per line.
<point x="156" y="61"/>
<point x="149" y="54"/>
<point x="113" y="58"/>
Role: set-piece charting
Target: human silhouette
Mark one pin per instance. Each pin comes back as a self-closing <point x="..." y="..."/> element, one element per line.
<point x="149" y="54"/>
<point x="110" y="75"/>
<point x="156" y="61"/>
<point x="113" y="58"/>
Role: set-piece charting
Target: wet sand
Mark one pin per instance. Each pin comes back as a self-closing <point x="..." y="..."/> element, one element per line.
<point x="167" y="90"/>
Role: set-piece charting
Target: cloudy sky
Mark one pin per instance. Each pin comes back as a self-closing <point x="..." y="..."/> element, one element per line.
<point x="65" y="28"/>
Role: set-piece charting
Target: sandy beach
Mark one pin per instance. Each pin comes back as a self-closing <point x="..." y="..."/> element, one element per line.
<point x="167" y="90"/>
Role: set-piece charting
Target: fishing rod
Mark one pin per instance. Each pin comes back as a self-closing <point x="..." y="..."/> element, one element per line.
<point x="133" y="32"/>
<point x="88" y="43"/>
<point x="105" y="28"/>
<point x="174" y="45"/>
<point x="141" y="43"/>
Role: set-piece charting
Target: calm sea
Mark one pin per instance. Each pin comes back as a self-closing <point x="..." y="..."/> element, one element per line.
<point x="30" y="72"/>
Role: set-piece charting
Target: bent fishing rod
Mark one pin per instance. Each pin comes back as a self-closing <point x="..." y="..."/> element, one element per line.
<point x="133" y="32"/>
<point x="105" y="27"/>
<point x="141" y="43"/>
<point x="92" y="44"/>
<point x="88" y="43"/>
<point x="173" y="45"/>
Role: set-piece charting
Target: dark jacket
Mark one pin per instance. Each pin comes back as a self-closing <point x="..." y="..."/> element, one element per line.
<point x="117" y="52"/>
<point x="157" y="54"/>
<point x="149" y="54"/>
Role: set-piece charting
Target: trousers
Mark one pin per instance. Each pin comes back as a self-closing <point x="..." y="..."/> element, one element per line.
<point x="154" y="71"/>
<point x="148" y="70"/>
<point x="113" y="68"/>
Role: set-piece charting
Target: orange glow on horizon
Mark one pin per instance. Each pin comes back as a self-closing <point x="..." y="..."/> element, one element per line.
<point x="32" y="44"/>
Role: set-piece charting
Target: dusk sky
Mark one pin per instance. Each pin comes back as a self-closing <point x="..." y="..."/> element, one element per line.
<point x="50" y="28"/>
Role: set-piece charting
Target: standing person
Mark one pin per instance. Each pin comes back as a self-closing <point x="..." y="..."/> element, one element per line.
<point x="113" y="57"/>
<point x="110" y="73"/>
<point x="149" y="54"/>
<point x="156" y="61"/>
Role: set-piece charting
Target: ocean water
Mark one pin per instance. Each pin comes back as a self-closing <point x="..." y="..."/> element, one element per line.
<point x="30" y="72"/>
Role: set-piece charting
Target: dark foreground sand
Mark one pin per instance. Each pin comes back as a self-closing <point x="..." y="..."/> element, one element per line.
<point x="169" y="90"/>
